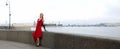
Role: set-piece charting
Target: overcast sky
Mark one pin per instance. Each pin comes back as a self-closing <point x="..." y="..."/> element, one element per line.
<point x="63" y="11"/>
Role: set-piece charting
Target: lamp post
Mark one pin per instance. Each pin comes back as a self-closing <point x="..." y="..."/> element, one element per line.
<point x="8" y="4"/>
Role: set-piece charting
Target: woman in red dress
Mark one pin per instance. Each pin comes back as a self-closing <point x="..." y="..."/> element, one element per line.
<point x="37" y="35"/>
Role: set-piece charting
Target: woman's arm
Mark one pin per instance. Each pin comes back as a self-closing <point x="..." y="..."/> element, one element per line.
<point x="44" y="27"/>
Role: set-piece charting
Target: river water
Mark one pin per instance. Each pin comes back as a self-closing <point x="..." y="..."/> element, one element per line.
<point x="97" y="31"/>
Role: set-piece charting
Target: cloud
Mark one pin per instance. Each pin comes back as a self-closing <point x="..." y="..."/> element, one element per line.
<point x="79" y="11"/>
<point x="114" y="11"/>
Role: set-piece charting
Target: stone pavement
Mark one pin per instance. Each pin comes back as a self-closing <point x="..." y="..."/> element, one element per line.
<point x="16" y="45"/>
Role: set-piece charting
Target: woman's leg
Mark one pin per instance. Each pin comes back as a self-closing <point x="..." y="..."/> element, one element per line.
<point x="38" y="41"/>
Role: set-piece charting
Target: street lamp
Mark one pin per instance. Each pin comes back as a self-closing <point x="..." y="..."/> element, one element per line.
<point x="8" y="4"/>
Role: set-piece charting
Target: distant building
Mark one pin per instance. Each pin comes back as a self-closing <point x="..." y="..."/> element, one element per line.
<point x="22" y="24"/>
<point x="50" y="25"/>
<point x="112" y="24"/>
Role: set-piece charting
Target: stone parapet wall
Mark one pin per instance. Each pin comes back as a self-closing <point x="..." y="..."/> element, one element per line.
<point x="61" y="41"/>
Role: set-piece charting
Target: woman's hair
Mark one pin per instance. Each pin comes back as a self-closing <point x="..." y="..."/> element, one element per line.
<point x="41" y="15"/>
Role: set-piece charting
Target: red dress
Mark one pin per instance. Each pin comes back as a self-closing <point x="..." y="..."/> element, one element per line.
<point x="38" y="31"/>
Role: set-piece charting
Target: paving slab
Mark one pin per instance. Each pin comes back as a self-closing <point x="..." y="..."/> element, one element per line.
<point x="16" y="45"/>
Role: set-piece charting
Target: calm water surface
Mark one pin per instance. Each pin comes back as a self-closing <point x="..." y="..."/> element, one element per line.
<point x="98" y="31"/>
